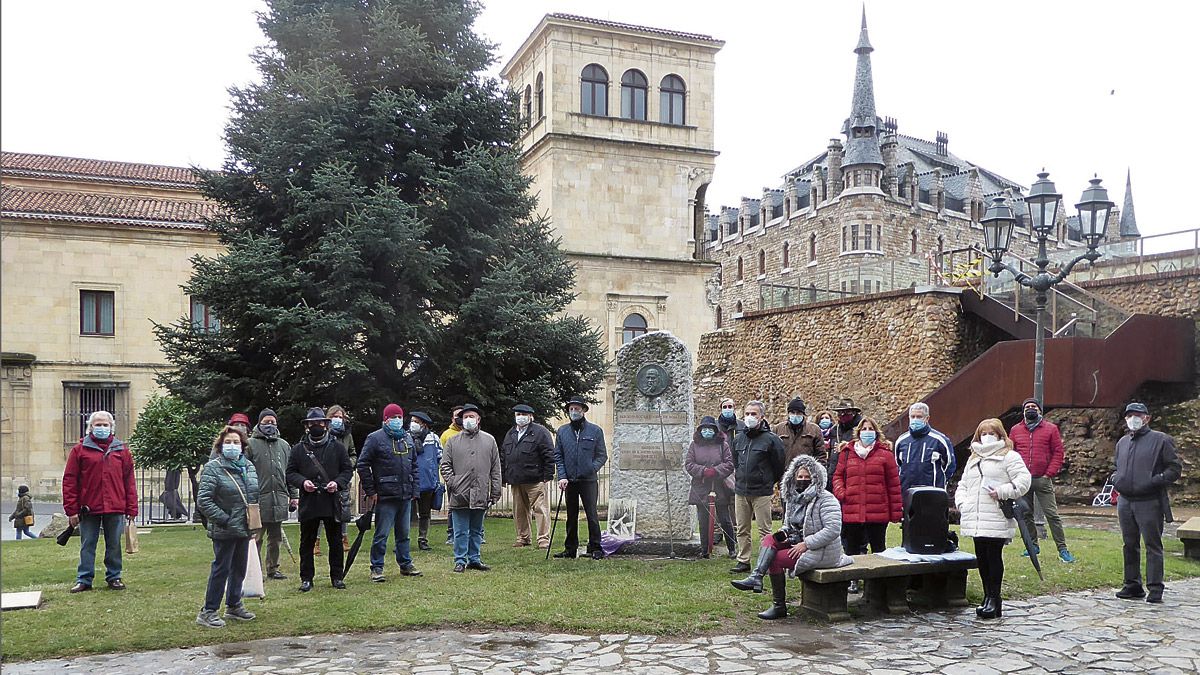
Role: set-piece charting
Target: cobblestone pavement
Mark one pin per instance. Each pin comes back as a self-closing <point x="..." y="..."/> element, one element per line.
<point x="1089" y="632"/>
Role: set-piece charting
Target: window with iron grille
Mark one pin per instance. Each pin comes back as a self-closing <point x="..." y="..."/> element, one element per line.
<point x="81" y="399"/>
<point x="96" y="312"/>
<point x="203" y="318"/>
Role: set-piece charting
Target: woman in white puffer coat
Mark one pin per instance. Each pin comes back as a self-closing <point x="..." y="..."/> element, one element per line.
<point x="994" y="473"/>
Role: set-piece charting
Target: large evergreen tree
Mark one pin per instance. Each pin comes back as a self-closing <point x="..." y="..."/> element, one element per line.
<point x="381" y="240"/>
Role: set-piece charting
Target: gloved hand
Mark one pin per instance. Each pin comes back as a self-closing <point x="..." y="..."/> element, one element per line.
<point x="709" y="472"/>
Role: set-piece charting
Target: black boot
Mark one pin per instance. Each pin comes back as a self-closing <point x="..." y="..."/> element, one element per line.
<point x="988" y="609"/>
<point x="754" y="581"/>
<point x="779" y="598"/>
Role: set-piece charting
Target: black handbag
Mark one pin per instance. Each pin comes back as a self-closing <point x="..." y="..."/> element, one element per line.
<point x="1008" y="507"/>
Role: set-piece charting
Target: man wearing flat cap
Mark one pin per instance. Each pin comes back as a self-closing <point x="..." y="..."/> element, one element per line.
<point x="1146" y="465"/>
<point x="579" y="452"/>
<point x="526" y="463"/>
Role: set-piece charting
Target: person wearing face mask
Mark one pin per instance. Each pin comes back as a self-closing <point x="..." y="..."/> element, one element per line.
<point x="471" y="468"/>
<point x="429" y="485"/>
<point x="450" y="432"/>
<point x="809" y="539"/>
<point x="799" y="434"/>
<point x="758" y="466"/>
<point x="727" y="421"/>
<point x="228" y="486"/>
<point x="1040" y="446"/>
<point x="845" y="421"/>
<point x="992" y="473"/>
<point x="269" y="452"/>
<point x="388" y="471"/>
<point x="526" y="464"/>
<point x="319" y="467"/>
<point x="827" y="423"/>
<point x="99" y="494"/>
<point x="867" y="484"/>
<point x="709" y="461"/>
<point x="1146" y="464"/>
<point x="925" y="455"/>
<point x="352" y="502"/>
<point x="238" y="421"/>
<point x="579" y="452"/>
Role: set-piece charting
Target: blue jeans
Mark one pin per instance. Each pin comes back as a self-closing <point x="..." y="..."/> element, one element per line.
<point x="89" y="536"/>
<point x="25" y="528"/>
<point x="227" y="574"/>
<point x="391" y="515"/>
<point x="468" y="534"/>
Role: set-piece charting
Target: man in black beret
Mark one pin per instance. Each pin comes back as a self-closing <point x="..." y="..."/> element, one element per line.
<point x="527" y="462"/>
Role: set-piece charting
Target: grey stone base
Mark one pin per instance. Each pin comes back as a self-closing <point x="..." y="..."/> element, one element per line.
<point x="683" y="549"/>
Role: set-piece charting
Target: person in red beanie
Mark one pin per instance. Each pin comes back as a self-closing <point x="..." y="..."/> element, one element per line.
<point x="387" y="469"/>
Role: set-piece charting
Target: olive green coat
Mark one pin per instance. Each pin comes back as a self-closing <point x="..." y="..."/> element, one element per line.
<point x="270" y="458"/>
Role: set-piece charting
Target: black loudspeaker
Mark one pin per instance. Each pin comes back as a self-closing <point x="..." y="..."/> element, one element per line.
<point x="926" y="527"/>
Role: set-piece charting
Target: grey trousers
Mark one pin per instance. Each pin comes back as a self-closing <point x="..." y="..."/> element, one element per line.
<point x="1041" y="492"/>
<point x="1142" y="521"/>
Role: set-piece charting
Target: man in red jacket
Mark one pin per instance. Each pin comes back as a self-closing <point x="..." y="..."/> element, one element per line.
<point x="1039" y="443"/>
<point x="99" y="492"/>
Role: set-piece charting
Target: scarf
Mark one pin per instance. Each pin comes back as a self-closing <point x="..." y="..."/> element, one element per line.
<point x="862" y="450"/>
<point x="983" y="451"/>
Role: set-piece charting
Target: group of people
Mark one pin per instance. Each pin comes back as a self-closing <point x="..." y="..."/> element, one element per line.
<point x="842" y="483"/>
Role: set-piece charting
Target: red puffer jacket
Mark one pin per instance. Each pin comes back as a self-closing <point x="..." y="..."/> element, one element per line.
<point x="100" y="479"/>
<point x="869" y="489"/>
<point x="1042" y="448"/>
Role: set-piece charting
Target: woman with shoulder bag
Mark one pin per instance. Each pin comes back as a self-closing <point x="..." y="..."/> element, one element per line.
<point x="709" y="461"/>
<point x="228" y="498"/>
<point x="994" y="476"/>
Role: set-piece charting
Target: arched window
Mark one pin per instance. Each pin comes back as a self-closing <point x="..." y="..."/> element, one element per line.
<point x="593" y="91"/>
<point x="718" y="316"/>
<point x="633" y="95"/>
<point x="527" y="104"/>
<point x="739" y="276"/>
<point x="540" y="92"/>
<point x="739" y="307"/>
<point x="787" y="258"/>
<point x="635" y="325"/>
<point x="762" y="263"/>
<point x="812" y="247"/>
<point x="913" y="241"/>
<point x="672" y="95"/>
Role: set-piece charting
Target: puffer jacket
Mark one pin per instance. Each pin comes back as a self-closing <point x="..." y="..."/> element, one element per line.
<point x="869" y="489"/>
<point x="997" y="465"/>
<point x="705" y="454"/>
<point x="1041" y="448"/>
<point x="758" y="461"/>
<point x="578" y="455"/>
<point x="839" y="434"/>
<point x="387" y="466"/>
<point x="471" y="468"/>
<point x="814" y="516"/>
<point x="220" y="498"/>
<point x="270" y="458"/>
<point x="100" y="478"/>
<point x="429" y="455"/>
<point x="926" y="458"/>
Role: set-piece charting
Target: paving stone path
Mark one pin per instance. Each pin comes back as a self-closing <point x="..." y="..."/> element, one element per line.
<point x="1089" y="632"/>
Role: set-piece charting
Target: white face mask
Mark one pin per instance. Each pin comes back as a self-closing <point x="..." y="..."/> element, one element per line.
<point x="523" y="420"/>
<point x="751" y="420"/>
<point x="470" y="423"/>
<point x="988" y="439"/>
<point x="415" y="427"/>
<point x="1134" y="423"/>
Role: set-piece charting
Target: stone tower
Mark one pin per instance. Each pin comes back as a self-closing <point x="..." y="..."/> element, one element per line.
<point x="619" y="144"/>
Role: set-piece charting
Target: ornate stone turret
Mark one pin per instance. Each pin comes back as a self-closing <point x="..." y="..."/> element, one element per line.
<point x="835" y="167"/>
<point x="863" y="162"/>
<point x="889" y="148"/>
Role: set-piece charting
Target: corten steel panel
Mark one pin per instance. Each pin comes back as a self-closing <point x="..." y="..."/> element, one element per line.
<point x="1000" y="316"/>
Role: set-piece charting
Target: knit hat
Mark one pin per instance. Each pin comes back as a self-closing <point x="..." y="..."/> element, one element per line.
<point x="266" y="412"/>
<point x="23" y="489"/>
<point x="708" y="421"/>
<point x="391" y="410"/>
<point x="1031" y="400"/>
<point x="797" y="405"/>
<point x="239" y="418"/>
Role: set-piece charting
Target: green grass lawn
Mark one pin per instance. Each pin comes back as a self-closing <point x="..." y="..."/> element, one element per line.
<point x="620" y="595"/>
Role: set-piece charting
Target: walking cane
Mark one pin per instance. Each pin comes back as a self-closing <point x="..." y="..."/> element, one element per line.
<point x="554" y="525"/>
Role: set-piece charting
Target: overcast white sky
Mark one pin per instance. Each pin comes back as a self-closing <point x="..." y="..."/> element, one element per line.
<point x="1077" y="87"/>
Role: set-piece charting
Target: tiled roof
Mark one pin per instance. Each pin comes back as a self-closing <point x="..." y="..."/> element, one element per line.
<point x="26" y="164"/>
<point x="90" y="207"/>
<point x="629" y="26"/>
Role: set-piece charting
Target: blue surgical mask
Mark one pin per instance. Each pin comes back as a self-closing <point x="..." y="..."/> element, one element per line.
<point x="867" y="437"/>
<point x="796" y="420"/>
<point x="727" y="414"/>
<point x="337" y="424"/>
<point x="916" y="425"/>
<point x="395" y="425"/>
<point x="708" y="433"/>
<point x="101" y="433"/>
<point x="825" y="424"/>
<point x="231" y="451"/>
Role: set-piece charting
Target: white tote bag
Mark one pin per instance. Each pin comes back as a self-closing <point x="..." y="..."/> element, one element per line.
<point x="252" y="585"/>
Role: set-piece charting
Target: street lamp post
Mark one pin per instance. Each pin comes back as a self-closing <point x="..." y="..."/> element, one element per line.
<point x="1094" y="209"/>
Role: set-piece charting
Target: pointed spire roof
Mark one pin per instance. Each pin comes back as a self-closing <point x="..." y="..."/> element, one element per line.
<point x="862" y="109"/>
<point x="1128" y="226"/>
<point x="864" y="44"/>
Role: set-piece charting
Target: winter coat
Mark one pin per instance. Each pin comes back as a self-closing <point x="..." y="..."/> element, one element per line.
<point x="429" y="456"/>
<point x="705" y="454"/>
<point x="758" y="462"/>
<point x="1146" y="465"/>
<point x="24" y="508"/>
<point x="814" y="516"/>
<point x="806" y="440"/>
<point x="578" y="455"/>
<point x="838" y="435"/>
<point x="730" y="429"/>
<point x="347" y="439"/>
<point x="220" y="498"/>
<point x="387" y="466"/>
<point x="990" y="465"/>
<point x="1041" y="448"/>
<point x="869" y="489"/>
<point x="529" y="459"/>
<point x="926" y="458"/>
<point x="270" y="458"/>
<point x="335" y="462"/>
<point x="100" y="479"/>
<point x="471" y="468"/>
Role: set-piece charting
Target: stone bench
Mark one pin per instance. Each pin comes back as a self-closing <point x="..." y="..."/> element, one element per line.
<point x="1189" y="534"/>
<point x="941" y="584"/>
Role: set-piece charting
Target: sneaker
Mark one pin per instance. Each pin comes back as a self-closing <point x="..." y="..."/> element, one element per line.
<point x="1065" y="556"/>
<point x="240" y="613"/>
<point x="449" y="541"/>
<point x="1131" y="592"/>
<point x="377" y="576"/>
<point x="423" y="545"/>
<point x="209" y="620"/>
<point x="460" y="568"/>
<point x="409" y="571"/>
<point x="1037" y="550"/>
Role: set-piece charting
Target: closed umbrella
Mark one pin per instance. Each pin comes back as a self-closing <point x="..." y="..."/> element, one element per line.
<point x="364" y="524"/>
<point x="1030" y="538"/>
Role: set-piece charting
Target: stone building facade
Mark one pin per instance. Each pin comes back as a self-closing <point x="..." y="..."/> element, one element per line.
<point x="620" y="149"/>
<point x="868" y="214"/>
<point x="94" y="252"/>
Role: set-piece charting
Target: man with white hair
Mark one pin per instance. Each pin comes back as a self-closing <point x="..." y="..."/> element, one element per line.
<point x="925" y="455"/>
<point x="99" y="493"/>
